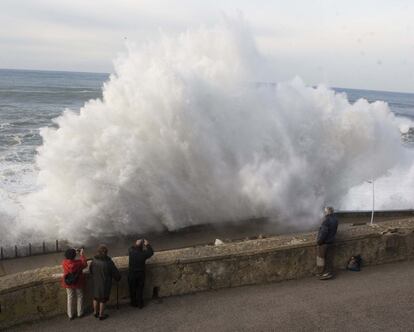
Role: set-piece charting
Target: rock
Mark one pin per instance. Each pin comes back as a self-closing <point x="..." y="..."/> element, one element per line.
<point x="295" y="241"/>
<point x="218" y="242"/>
<point x="390" y="231"/>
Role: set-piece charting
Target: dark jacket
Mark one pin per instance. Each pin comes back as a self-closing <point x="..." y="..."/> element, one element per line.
<point x="137" y="258"/>
<point x="327" y="231"/>
<point x="102" y="270"/>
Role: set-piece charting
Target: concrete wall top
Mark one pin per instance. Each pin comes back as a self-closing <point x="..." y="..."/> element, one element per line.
<point x="346" y="232"/>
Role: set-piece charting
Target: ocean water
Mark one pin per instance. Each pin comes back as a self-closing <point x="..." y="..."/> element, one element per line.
<point x="31" y="100"/>
<point x="400" y="103"/>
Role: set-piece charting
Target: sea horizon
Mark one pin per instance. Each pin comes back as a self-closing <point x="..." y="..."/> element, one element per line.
<point x="110" y="73"/>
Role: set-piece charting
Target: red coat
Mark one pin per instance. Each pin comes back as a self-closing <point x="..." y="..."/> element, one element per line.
<point x="72" y="266"/>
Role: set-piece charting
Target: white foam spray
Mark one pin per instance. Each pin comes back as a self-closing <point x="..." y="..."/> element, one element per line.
<point x="184" y="136"/>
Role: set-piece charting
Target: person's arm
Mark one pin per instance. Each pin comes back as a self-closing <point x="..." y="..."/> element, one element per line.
<point x="336" y="225"/>
<point x="323" y="233"/>
<point x="115" y="272"/>
<point x="83" y="259"/>
<point x="148" y="252"/>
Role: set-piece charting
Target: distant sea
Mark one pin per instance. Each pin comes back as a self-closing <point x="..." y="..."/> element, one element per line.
<point x="30" y="100"/>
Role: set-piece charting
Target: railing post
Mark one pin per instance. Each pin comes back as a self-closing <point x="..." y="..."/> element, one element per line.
<point x="30" y="249"/>
<point x="57" y="245"/>
<point x="15" y="252"/>
<point x="1" y="253"/>
<point x="44" y="247"/>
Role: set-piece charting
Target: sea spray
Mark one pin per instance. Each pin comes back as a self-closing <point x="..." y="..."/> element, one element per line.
<point x="184" y="135"/>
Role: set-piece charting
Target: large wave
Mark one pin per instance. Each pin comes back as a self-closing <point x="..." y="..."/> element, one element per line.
<point x="184" y="136"/>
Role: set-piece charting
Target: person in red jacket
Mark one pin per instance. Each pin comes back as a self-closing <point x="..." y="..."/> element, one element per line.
<point x="73" y="280"/>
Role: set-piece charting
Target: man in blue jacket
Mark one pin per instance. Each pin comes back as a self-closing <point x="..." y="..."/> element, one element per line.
<point x="325" y="242"/>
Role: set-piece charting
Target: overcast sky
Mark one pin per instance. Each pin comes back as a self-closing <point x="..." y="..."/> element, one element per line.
<point x="356" y="44"/>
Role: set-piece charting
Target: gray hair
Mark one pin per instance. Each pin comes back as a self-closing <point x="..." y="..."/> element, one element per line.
<point x="329" y="210"/>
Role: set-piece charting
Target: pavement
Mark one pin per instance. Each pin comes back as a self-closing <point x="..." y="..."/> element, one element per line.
<point x="379" y="298"/>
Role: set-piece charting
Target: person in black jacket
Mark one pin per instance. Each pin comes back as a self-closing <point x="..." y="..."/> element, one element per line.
<point x="325" y="245"/>
<point x="138" y="254"/>
<point x="102" y="270"/>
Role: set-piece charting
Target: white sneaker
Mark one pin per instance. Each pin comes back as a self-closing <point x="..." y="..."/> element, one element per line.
<point x="326" y="276"/>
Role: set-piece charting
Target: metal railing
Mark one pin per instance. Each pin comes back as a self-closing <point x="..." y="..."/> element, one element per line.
<point x="31" y="249"/>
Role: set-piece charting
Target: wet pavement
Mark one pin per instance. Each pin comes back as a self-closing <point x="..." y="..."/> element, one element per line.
<point x="379" y="298"/>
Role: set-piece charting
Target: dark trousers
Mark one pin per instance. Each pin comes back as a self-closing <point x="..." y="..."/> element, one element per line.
<point x="325" y="258"/>
<point x="136" y="282"/>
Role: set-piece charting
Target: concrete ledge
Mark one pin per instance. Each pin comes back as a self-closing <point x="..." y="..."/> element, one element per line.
<point x="378" y="213"/>
<point x="37" y="294"/>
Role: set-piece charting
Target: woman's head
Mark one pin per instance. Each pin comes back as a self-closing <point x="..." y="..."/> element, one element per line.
<point x="102" y="251"/>
<point x="70" y="253"/>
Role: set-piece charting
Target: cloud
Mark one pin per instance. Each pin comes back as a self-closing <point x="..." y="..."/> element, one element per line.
<point x="93" y="32"/>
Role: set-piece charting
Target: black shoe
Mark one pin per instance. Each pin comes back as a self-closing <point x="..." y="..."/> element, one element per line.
<point x="72" y="318"/>
<point x="103" y="317"/>
<point x="133" y="304"/>
<point x="96" y="315"/>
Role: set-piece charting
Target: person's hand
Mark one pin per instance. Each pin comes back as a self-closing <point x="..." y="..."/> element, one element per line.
<point x="81" y="252"/>
<point x="146" y="242"/>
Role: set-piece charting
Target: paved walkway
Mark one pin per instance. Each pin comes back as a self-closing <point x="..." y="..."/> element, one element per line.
<point x="378" y="298"/>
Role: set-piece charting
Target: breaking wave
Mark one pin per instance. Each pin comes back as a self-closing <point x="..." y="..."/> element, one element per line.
<point x="184" y="136"/>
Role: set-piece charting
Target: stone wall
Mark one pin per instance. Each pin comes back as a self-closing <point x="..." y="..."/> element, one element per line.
<point x="37" y="294"/>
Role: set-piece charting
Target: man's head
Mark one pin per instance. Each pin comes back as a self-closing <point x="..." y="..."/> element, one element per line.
<point x="328" y="210"/>
<point x="139" y="243"/>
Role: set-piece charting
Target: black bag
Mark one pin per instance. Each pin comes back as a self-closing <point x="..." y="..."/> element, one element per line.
<point x="72" y="278"/>
<point x="354" y="263"/>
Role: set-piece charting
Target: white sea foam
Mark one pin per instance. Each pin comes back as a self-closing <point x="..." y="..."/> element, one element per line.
<point x="183" y="136"/>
